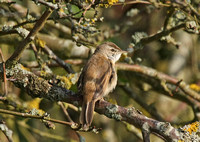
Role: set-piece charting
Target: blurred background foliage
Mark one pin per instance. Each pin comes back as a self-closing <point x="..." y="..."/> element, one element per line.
<point x="73" y="39"/>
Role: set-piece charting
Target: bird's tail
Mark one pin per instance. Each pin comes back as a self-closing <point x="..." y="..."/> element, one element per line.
<point x="87" y="114"/>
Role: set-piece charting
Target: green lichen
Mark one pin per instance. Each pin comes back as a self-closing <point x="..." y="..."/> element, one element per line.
<point x="112" y="112"/>
<point x="130" y="111"/>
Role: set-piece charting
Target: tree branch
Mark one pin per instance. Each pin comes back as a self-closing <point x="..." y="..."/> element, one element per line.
<point x="4" y="74"/>
<point x="175" y="88"/>
<point x="38" y="26"/>
<point x="26" y="115"/>
<point x="158" y="35"/>
<point x="7" y="132"/>
<point x="149" y="72"/>
<point x="53" y="56"/>
<point x="38" y="87"/>
<point x="48" y="4"/>
<point x="146" y="132"/>
<point x="141" y="102"/>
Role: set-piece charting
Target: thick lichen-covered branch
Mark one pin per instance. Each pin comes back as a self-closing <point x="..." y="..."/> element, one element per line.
<point x="38" y="87"/>
<point x="162" y="83"/>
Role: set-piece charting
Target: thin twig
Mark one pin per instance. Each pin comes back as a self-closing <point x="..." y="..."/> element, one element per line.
<point x="132" y="2"/>
<point x="4" y="74"/>
<point x="36" y="54"/>
<point x="169" y="14"/>
<point x="48" y="4"/>
<point x="2" y="33"/>
<point x="139" y="2"/>
<point x="40" y="132"/>
<point x="160" y="76"/>
<point x="141" y="102"/>
<point x="184" y="6"/>
<point x="7" y="132"/>
<point x="146" y="134"/>
<point x="132" y="129"/>
<point x="160" y="34"/>
<point x="65" y="111"/>
<point x="194" y="11"/>
<point x="38" y="26"/>
<point x="75" y="62"/>
<point x="26" y="115"/>
<point x="86" y="9"/>
<point x="62" y="63"/>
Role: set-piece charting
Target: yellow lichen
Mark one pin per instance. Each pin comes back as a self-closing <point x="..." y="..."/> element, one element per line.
<point x="107" y="3"/>
<point x="113" y="101"/>
<point x="61" y="10"/>
<point x="93" y="20"/>
<point x="123" y="56"/>
<point x="195" y="87"/>
<point x="41" y="43"/>
<point x="35" y="103"/>
<point x="66" y="80"/>
<point x="192" y="127"/>
<point x="88" y="1"/>
<point x="24" y="68"/>
<point x="43" y="73"/>
<point x="111" y="2"/>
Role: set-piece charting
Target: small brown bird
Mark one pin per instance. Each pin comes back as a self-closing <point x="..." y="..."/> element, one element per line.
<point x="97" y="79"/>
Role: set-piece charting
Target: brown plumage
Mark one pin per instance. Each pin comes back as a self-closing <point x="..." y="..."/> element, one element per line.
<point x="97" y="79"/>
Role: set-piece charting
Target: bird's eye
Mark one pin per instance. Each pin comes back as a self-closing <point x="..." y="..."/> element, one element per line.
<point x="113" y="50"/>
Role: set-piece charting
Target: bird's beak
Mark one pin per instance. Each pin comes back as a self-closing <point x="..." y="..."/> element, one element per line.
<point x="124" y="51"/>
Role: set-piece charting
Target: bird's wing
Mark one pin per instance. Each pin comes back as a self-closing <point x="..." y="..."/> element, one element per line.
<point x="96" y="78"/>
<point x="93" y="82"/>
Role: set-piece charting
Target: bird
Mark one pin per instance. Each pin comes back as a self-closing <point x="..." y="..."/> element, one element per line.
<point x="97" y="79"/>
